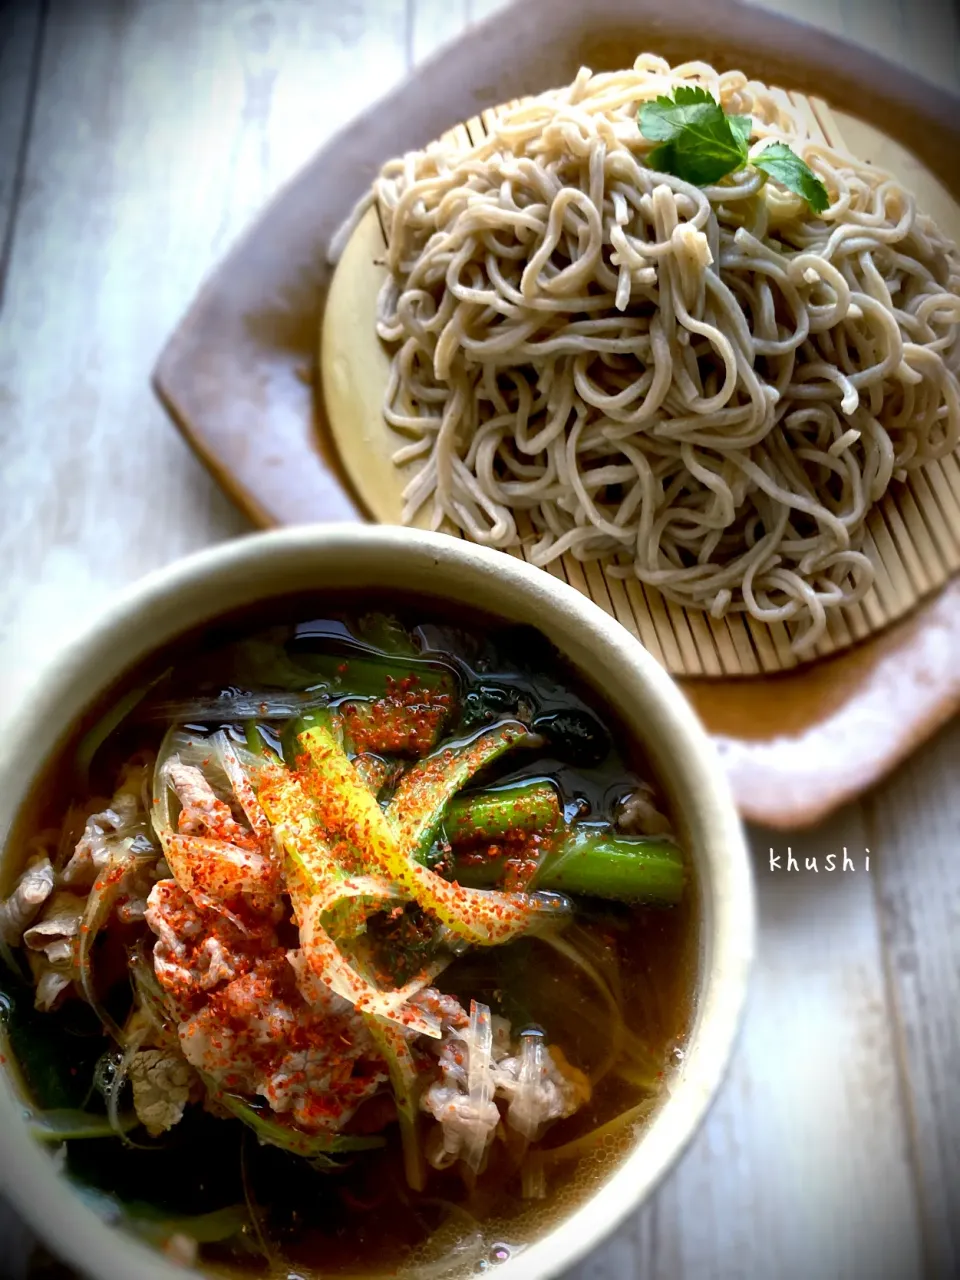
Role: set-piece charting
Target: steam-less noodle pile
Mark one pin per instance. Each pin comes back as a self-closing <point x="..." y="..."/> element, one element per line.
<point x="710" y="387"/>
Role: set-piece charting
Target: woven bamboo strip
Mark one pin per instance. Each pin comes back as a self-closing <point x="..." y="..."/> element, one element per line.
<point x="913" y="540"/>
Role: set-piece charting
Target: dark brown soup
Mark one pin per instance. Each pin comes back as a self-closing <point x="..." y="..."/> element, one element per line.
<point x="349" y="944"/>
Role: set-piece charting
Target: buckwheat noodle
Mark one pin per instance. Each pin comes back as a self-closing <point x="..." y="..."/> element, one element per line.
<point x="708" y="388"/>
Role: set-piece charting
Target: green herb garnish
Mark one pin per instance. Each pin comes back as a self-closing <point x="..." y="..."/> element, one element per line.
<point x="790" y="171"/>
<point x="701" y="144"/>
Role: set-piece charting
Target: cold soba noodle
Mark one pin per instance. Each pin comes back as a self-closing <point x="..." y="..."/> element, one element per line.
<point x="351" y="946"/>
<point x="708" y="387"/>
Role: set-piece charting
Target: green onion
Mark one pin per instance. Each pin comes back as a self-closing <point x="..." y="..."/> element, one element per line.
<point x="69" y="1125"/>
<point x="371" y="675"/>
<point x="488" y="815"/>
<point x="255" y="743"/>
<point x="599" y="863"/>
<point x="596" y="862"/>
<point x="426" y="789"/>
<point x="315" y="1146"/>
<point x="392" y="726"/>
<point x="403" y="1079"/>
<point x="157" y="1226"/>
<point x="399" y="841"/>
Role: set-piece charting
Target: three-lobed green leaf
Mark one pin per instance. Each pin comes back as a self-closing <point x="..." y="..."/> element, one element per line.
<point x="698" y="142"/>
<point x="701" y="144"/>
<point x="690" y="108"/>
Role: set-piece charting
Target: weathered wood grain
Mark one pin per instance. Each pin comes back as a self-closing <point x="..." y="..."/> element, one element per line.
<point x="914" y="825"/>
<point x="21" y="35"/>
<point x="21" y="28"/>
<point x="794" y="1175"/>
<point x="158" y="131"/>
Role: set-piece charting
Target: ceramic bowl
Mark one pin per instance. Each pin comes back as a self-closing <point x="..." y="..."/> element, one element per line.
<point x="321" y="558"/>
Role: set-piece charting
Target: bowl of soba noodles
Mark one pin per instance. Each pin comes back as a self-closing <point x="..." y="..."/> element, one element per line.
<point x="372" y="904"/>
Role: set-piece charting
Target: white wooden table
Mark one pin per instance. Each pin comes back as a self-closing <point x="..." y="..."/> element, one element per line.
<point x="136" y="140"/>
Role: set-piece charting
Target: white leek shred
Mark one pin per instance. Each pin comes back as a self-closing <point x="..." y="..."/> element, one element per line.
<point x="525" y="1113"/>
<point x="476" y="1068"/>
<point x="480" y="1086"/>
<point x="462" y="1099"/>
<point x="613" y="1022"/>
<point x="240" y="775"/>
<point x="180" y="748"/>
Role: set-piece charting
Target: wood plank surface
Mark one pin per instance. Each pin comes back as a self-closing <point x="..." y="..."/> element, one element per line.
<point x="793" y="1175"/>
<point x="20" y="47"/>
<point x="21" y="32"/>
<point x="917" y="823"/>
<point x="151" y="136"/>
<point x="156" y="136"/>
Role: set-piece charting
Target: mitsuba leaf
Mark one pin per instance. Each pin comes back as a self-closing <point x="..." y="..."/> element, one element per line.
<point x="687" y="94"/>
<point x="786" y="167"/>
<point x="700" y="144"/>
<point x="691" y="164"/>
<point x="663" y="119"/>
<point x="742" y="127"/>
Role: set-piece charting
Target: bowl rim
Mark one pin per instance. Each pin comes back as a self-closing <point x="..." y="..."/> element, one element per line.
<point x="171" y="601"/>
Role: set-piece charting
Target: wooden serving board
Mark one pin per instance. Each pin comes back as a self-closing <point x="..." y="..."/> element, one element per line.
<point x="237" y="376"/>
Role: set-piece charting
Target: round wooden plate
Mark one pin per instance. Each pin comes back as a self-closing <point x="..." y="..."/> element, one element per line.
<point x="237" y="374"/>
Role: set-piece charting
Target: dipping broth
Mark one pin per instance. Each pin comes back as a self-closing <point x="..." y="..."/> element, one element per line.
<point x="354" y="944"/>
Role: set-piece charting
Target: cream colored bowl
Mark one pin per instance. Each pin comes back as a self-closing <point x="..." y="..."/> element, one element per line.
<point x="318" y="558"/>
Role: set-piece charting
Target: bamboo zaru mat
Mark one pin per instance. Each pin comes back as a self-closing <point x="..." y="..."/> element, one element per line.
<point x="913" y="535"/>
